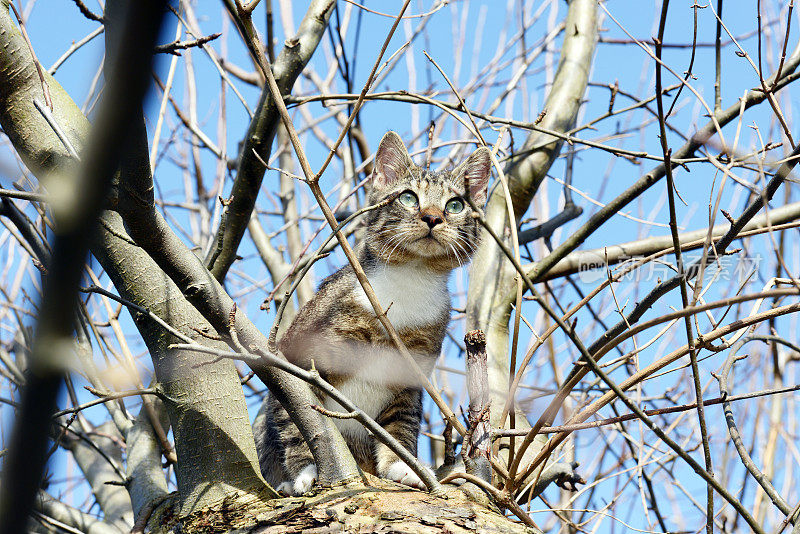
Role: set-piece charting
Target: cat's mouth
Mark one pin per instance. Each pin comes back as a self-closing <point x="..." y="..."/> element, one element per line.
<point x="429" y="238"/>
<point x="429" y="245"/>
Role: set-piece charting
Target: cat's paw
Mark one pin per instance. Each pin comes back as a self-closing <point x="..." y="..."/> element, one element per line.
<point x="400" y="472"/>
<point x="302" y="483"/>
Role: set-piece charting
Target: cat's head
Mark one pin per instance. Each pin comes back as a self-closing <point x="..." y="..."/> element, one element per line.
<point x="429" y="218"/>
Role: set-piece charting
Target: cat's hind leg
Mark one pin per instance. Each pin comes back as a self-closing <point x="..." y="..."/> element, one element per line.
<point x="300" y="471"/>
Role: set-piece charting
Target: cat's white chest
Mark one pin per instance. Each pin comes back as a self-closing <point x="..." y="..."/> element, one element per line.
<point x="414" y="295"/>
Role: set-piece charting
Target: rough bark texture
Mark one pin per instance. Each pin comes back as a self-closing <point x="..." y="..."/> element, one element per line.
<point x="213" y="437"/>
<point x="34" y="140"/>
<point x="383" y="507"/>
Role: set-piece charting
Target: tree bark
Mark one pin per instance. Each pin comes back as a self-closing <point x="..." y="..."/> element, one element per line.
<point x="215" y="447"/>
<point x="382" y="507"/>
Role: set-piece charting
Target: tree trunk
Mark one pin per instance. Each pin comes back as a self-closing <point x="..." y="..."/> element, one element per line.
<point x="209" y="406"/>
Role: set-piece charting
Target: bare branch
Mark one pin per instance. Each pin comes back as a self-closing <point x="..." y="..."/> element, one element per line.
<point x="86" y="12"/>
<point x="260" y="134"/>
<point x="76" y="216"/>
<point x="174" y="46"/>
<point x="312" y="377"/>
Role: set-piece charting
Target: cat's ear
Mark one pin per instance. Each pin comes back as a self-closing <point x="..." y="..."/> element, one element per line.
<point x="475" y="172"/>
<point x="391" y="161"/>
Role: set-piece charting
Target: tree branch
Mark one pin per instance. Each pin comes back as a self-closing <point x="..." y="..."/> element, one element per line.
<point x="113" y="499"/>
<point x="736" y="438"/>
<point x="581" y="260"/>
<point x="50" y="507"/>
<point x="258" y="142"/>
<point x="492" y="275"/>
<point x="688" y="149"/>
<point x="146" y="480"/>
<point x="76" y="214"/>
<point x="353" y="411"/>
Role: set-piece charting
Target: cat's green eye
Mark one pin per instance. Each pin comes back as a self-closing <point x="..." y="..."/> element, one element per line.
<point x="454" y="205"/>
<point x="408" y="199"/>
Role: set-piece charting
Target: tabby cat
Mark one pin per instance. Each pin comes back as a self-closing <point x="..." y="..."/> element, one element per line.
<point x="409" y="248"/>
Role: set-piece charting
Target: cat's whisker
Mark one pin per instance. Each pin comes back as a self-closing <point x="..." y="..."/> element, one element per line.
<point x="463" y="237"/>
<point x="467" y="249"/>
<point x="470" y="247"/>
<point x="462" y="248"/>
<point x="396" y="235"/>
<point x="391" y="238"/>
<point x="455" y="254"/>
<point x="400" y="242"/>
<point x="399" y="237"/>
<point x="399" y="233"/>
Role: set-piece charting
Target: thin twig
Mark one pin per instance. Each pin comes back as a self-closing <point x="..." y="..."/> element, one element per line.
<point x="360" y="100"/>
<point x="499" y="433"/>
<point x="673" y="225"/>
<point x="335" y="415"/>
<point x="110" y="396"/>
<point x="174" y="46"/>
<point x="86" y="12"/>
<point x="51" y="121"/>
<point x="39" y="71"/>
<point x="736" y="438"/>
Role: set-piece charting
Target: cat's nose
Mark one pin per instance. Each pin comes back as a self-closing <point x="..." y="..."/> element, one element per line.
<point x="432" y="220"/>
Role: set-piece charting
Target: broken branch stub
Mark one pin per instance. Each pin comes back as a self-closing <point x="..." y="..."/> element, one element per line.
<point x="477" y="442"/>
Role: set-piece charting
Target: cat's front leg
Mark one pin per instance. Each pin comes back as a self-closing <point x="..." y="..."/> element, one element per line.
<point x="400" y="472"/>
<point x="401" y="419"/>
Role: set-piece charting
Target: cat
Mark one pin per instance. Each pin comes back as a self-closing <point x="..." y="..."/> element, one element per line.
<point x="409" y="248"/>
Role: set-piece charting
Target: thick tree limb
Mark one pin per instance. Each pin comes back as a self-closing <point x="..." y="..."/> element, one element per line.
<point x="580" y="260"/>
<point x="113" y="499"/>
<point x="200" y="418"/>
<point x="203" y="415"/>
<point x="51" y="507"/>
<point x="76" y="206"/>
<point x="477" y="442"/>
<point x="150" y="230"/>
<point x="146" y="480"/>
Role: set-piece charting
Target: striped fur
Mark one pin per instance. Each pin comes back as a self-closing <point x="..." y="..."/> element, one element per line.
<point x="407" y="252"/>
